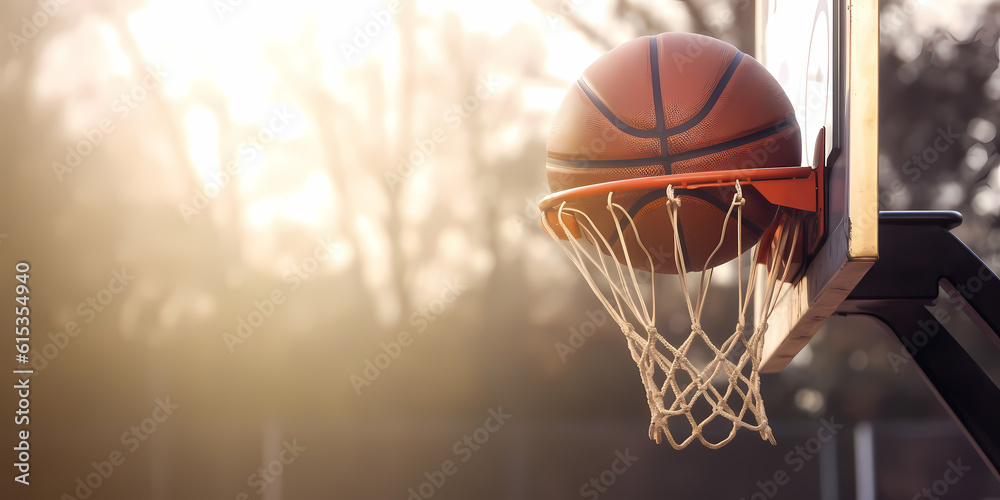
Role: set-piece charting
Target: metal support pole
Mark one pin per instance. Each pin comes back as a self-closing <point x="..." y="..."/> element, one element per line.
<point x="917" y="253"/>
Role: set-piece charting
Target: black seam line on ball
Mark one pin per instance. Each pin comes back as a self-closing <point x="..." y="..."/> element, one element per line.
<point x="658" y="131"/>
<point x="654" y="70"/>
<point x="734" y="143"/>
<point x="634" y="210"/>
<point x="722" y="206"/>
<point x="667" y="160"/>
<point x="620" y="125"/>
<point x="684" y="248"/>
<point x="653" y="196"/>
<point x="659" y="115"/>
<point x="631" y="162"/>
<point x="712" y="100"/>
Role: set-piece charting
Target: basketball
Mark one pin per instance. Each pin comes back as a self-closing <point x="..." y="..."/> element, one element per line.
<point x="664" y="105"/>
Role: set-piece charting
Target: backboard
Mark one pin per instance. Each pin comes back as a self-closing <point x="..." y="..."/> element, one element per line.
<point x="824" y="53"/>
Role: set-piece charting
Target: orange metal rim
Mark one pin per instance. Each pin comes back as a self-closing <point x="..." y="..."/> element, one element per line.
<point x="685" y="181"/>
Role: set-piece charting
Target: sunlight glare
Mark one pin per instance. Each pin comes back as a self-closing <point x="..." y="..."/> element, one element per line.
<point x="203" y="142"/>
<point x="494" y="18"/>
<point x="311" y="201"/>
<point x="119" y="61"/>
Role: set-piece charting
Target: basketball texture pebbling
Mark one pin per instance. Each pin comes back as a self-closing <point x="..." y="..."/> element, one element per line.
<point x="671" y="104"/>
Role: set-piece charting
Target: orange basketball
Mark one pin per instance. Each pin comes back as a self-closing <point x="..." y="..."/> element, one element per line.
<point x="670" y="104"/>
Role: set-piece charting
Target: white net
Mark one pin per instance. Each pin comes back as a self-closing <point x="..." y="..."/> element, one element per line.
<point x="730" y="381"/>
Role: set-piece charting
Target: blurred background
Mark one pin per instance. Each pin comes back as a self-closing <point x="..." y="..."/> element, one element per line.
<point x="290" y="250"/>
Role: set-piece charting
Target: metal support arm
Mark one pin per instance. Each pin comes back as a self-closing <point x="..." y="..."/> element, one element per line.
<point x="918" y="253"/>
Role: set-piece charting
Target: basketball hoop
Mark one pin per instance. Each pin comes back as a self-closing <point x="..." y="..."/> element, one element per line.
<point x="694" y="160"/>
<point x="730" y="382"/>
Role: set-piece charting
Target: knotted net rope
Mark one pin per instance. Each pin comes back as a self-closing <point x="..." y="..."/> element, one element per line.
<point x="719" y="380"/>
